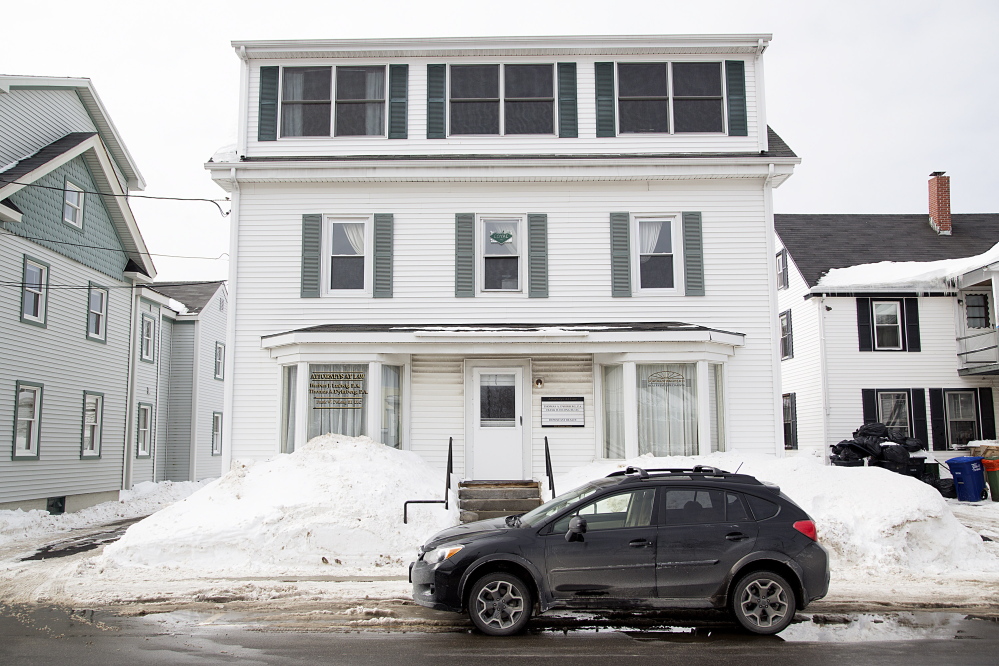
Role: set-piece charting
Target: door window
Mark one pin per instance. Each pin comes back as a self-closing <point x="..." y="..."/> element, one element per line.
<point x="630" y="509"/>
<point x="690" y="506"/>
<point x="498" y="401"/>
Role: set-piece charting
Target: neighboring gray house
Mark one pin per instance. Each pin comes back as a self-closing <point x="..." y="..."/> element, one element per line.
<point x="70" y="257"/>
<point x="187" y="375"/>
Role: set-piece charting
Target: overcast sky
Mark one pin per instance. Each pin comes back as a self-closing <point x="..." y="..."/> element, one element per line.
<point x="873" y="95"/>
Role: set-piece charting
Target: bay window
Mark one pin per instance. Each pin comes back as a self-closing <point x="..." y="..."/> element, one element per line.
<point x="667" y="409"/>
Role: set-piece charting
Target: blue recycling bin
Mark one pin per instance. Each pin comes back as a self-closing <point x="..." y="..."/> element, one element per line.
<point x="969" y="478"/>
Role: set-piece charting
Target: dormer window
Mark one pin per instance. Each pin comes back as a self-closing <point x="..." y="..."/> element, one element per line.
<point x="360" y="101"/>
<point x="526" y="105"/>
<point x="655" y="97"/>
<point x="307" y="101"/>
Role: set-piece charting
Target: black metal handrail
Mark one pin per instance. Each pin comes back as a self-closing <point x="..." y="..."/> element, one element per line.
<point x="548" y="468"/>
<point x="447" y="485"/>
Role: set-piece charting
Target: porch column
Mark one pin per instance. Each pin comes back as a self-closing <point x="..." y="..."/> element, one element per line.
<point x="703" y="409"/>
<point x="630" y="391"/>
<point x="302" y="405"/>
<point x="373" y="420"/>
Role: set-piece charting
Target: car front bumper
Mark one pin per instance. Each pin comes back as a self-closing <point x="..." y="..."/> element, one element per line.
<point x="435" y="586"/>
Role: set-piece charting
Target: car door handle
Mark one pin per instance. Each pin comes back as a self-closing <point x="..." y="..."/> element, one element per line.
<point x="640" y="543"/>
<point x="736" y="536"/>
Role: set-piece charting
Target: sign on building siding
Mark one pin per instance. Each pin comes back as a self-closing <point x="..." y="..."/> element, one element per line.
<point x="562" y="412"/>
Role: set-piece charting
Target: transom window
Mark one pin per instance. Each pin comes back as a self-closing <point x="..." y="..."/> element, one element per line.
<point x="72" y="208"/>
<point x="962" y="418"/>
<point x="93" y="416"/>
<point x="893" y="411"/>
<point x="36" y="277"/>
<point x="97" y="310"/>
<point x="501" y="250"/>
<point x="307" y="101"/>
<point x="346" y="242"/>
<point x="655" y="254"/>
<point x="27" y="416"/>
<point x="977" y="309"/>
<point x="525" y="106"/>
<point x="647" y="100"/>
<point x="887" y="325"/>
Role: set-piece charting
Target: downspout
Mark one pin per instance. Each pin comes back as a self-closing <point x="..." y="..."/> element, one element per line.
<point x="778" y="405"/>
<point x="126" y="474"/>
<point x="761" y="101"/>
<point x="230" y="326"/>
<point x="824" y="386"/>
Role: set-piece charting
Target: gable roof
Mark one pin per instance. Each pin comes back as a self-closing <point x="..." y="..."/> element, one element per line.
<point x="95" y="108"/>
<point x="818" y="243"/>
<point x="194" y="295"/>
<point x="59" y="152"/>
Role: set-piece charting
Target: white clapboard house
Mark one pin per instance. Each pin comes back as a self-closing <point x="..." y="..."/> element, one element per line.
<point x="912" y="345"/>
<point x="500" y="240"/>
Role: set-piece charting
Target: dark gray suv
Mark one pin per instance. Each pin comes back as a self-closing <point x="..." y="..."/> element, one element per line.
<point x="637" y="539"/>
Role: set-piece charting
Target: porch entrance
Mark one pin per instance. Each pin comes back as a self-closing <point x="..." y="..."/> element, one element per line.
<point x="495" y="430"/>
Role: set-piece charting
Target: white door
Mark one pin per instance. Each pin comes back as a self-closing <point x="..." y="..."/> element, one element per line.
<point x="497" y="423"/>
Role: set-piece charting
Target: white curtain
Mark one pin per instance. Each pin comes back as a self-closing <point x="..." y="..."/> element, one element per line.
<point x="613" y="411"/>
<point x="293" y="115"/>
<point x="667" y="409"/>
<point x="355" y="236"/>
<point x="324" y="415"/>
<point x="374" y="113"/>
<point x="649" y="236"/>
<point x="392" y="405"/>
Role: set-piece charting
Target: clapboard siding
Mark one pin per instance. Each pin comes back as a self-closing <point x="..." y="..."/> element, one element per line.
<point x="211" y="329"/>
<point x="147" y="390"/>
<point x="437" y="407"/>
<point x="178" y="445"/>
<point x="60" y="357"/>
<point x="417" y="143"/>
<point x="163" y="423"/>
<point x="568" y="375"/>
<point x="802" y="375"/>
<point x="737" y="265"/>
<point x="32" y="119"/>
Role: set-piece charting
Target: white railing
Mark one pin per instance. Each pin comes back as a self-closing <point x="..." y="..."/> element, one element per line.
<point x="978" y="349"/>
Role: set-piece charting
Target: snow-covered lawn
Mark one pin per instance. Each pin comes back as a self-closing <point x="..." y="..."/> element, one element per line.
<point x="324" y="524"/>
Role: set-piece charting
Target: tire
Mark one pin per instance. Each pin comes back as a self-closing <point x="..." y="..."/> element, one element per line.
<point x="500" y="604"/>
<point x="763" y="602"/>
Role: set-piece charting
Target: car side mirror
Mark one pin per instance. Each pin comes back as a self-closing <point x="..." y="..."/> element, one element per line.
<point x="577" y="528"/>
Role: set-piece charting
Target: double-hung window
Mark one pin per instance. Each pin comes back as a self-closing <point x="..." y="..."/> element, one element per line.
<point x="670" y="97"/>
<point x="508" y="99"/>
<point x="34" y="296"/>
<point x="219" y="360"/>
<point x="893" y="411"/>
<point x="346" y="240"/>
<point x="782" y="282"/>
<point x="144" y="431"/>
<point x="97" y="313"/>
<point x="307" y="101"/>
<point x="27" y="415"/>
<point x="93" y="421"/>
<point x="790" y="409"/>
<point x="656" y="264"/>
<point x="501" y="254"/>
<point x="887" y="325"/>
<point x="72" y="205"/>
<point x="147" y="340"/>
<point x="216" y="433"/>
<point x="786" y="336"/>
<point x="962" y="418"/>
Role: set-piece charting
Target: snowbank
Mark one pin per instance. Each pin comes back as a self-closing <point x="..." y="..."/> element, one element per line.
<point x="921" y="274"/>
<point x="142" y="499"/>
<point x="333" y="507"/>
<point x="868" y="518"/>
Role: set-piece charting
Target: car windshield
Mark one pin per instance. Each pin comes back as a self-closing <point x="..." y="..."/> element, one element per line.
<point x="550" y="508"/>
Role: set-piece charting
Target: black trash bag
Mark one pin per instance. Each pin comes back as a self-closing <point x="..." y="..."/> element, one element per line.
<point x="871" y="430"/>
<point x="896" y="437"/>
<point x="867" y="446"/>
<point x="848" y="454"/>
<point x="895" y="453"/>
<point x="946" y="487"/>
<point x="912" y="444"/>
<point x="838" y="449"/>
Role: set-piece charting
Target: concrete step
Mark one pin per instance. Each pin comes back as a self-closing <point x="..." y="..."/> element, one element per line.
<point x="472" y="516"/>
<point x="493" y="505"/>
<point x="499" y="493"/>
<point x="498" y="484"/>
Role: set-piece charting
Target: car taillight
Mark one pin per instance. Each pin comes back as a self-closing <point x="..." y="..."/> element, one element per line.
<point x="807" y="528"/>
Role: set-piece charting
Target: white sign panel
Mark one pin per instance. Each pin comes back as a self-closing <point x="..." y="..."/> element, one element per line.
<point x="562" y="412"/>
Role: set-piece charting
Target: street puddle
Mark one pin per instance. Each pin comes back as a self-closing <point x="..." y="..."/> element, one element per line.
<point x="82" y="544"/>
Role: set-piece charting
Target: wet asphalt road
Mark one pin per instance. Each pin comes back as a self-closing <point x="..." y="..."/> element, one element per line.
<point x="56" y="636"/>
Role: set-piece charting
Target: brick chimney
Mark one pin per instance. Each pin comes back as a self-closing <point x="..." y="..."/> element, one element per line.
<point x="940" y="203"/>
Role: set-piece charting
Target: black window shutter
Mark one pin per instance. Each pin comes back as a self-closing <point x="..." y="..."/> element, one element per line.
<point x="267" y="111"/>
<point x="693" y="255"/>
<point x="735" y="81"/>
<point x="620" y="242"/>
<point x="938" y="430"/>
<point x="865" y="331"/>
<point x="312" y="235"/>
<point x="436" y="105"/>
<point x="869" y="398"/>
<point x="398" y="101"/>
<point x="604" y="72"/>
<point x="912" y="325"/>
<point x="986" y="410"/>
<point x="537" y="255"/>
<point x="567" y="113"/>
<point x="382" y="255"/>
<point x="919" y="430"/>
<point x="464" y="255"/>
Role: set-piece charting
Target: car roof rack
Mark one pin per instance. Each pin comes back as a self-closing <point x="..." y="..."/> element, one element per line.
<point x="699" y="471"/>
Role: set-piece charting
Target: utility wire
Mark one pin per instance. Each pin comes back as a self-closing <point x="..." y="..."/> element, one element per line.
<point x="112" y="249"/>
<point x="215" y="202"/>
<point x="71" y="287"/>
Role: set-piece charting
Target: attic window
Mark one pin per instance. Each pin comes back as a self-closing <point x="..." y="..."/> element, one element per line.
<point x="72" y="209"/>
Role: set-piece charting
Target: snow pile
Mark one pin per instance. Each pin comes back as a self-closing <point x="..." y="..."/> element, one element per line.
<point x="919" y="274"/>
<point x="226" y="153"/>
<point x="142" y="499"/>
<point x="868" y="518"/>
<point x="334" y="507"/>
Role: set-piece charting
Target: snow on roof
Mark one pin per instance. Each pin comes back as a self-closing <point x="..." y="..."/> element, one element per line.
<point x="226" y="153"/>
<point x="909" y="274"/>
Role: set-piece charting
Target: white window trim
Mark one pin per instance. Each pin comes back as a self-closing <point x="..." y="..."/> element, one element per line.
<point x="327" y="249"/>
<point x="219" y="361"/>
<point x="31" y="450"/>
<point x="670" y="97"/>
<point x="217" y="434"/>
<point x="900" y="325"/>
<point x="143" y="446"/>
<point x="636" y="245"/>
<point x="43" y="293"/>
<point x="150" y="357"/>
<point x="98" y="427"/>
<point x="332" y="135"/>
<point x="502" y="101"/>
<point x="947" y="419"/>
<point x="102" y="333"/>
<point x="783" y="274"/>
<point x="79" y="209"/>
<point x="908" y="408"/>
<point x="480" y="253"/>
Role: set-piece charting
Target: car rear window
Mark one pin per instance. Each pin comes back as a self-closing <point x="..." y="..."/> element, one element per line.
<point x="762" y="508"/>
